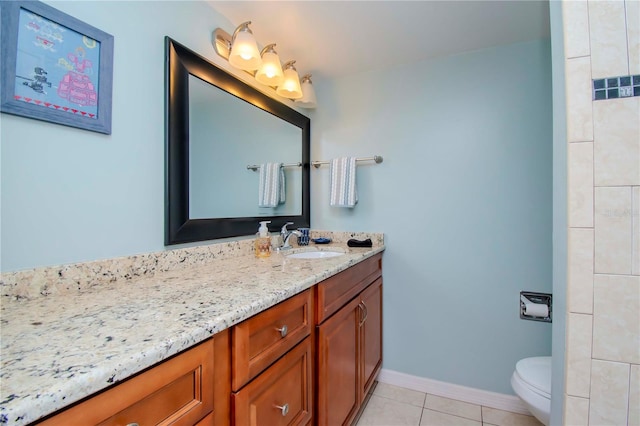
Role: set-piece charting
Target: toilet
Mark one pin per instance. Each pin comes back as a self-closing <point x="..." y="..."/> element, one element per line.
<point x="531" y="381"/>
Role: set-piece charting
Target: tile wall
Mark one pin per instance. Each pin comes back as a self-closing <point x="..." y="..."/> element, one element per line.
<point x="602" y="382"/>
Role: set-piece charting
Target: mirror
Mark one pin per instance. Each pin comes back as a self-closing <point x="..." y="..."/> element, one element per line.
<point x="215" y="127"/>
<point x="213" y="122"/>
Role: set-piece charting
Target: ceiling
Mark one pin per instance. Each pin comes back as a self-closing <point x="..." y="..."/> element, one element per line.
<point x="336" y="38"/>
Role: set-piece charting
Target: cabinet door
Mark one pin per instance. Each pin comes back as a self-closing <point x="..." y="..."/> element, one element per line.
<point x="281" y="395"/>
<point x="338" y="367"/>
<point x="371" y="335"/>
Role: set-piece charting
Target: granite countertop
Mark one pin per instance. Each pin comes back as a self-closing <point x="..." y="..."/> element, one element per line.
<point x="59" y="349"/>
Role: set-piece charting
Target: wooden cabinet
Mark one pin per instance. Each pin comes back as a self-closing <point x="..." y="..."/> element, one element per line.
<point x="281" y="395"/>
<point x="191" y="388"/>
<point x="370" y="336"/>
<point x="334" y="292"/>
<point x="337" y="366"/>
<point x="272" y="363"/>
<point x="260" y="340"/>
<point x="349" y="341"/>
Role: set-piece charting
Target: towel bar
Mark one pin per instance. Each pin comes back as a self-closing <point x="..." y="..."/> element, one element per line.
<point x="255" y="167"/>
<point x="377" y="158"/>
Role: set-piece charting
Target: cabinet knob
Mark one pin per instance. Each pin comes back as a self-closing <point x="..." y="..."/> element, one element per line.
<point x="284" y="409"/>
<point x="132" y="424"/>
<point x="283" y="330"/>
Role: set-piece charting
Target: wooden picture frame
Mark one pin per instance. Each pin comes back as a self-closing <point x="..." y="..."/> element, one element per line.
<point x="55" y="67"/>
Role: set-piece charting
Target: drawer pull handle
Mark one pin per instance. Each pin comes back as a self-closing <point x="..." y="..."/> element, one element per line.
<point x="364" y="313"/>
<point x="284" y="409"/>
<point x="283" y="330"/>
<point x="132" y="424"/>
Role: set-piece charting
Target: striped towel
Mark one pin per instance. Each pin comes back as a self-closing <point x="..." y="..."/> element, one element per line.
<point x="343" y="182"/>
<point x="272" y="190"/>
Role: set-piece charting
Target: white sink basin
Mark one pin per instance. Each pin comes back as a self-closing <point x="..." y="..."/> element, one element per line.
<point x="314" y="254"/>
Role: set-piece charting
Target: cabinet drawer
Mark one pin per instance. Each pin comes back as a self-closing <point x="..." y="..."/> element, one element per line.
<point x="260" y="340"/>
<point x="281" y="395"/>
<point x="179" y="391"/>
<point x="336" y="291"/>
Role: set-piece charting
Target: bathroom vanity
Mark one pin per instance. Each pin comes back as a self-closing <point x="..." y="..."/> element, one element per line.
<point x="239" y="341"/>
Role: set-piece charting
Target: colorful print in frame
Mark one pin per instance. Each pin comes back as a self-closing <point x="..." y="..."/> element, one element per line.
<point x="58" y="68"/>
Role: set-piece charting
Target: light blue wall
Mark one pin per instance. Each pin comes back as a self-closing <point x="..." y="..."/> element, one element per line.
<point x="70" y="195"/>
<point x="464" y="197"/>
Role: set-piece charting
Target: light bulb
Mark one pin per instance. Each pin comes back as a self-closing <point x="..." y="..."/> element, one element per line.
<point x="290" y="87"/>
<point x="270" y="72"/>
<point x="244" y="52"/>
<point x="308" y="99"/>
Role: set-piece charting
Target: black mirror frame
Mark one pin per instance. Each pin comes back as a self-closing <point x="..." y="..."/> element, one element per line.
<point x="180" y="62"/>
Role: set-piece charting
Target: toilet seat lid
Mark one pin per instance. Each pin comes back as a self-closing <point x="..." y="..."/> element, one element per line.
<point x="536" y="372"/>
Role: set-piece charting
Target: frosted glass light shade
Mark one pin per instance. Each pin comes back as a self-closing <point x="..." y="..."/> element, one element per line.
<point x="244" y="52"/>
<point x="308" y="99"/>
<point x="270" y="72"/>
<point x="290" y="87"/>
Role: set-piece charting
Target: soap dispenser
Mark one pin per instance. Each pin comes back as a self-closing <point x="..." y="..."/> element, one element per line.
<point x="263" y="240"/>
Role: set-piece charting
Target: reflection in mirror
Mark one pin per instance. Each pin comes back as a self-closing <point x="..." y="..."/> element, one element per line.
<point x="222" y="145"/>
<point x="216" y="126"/>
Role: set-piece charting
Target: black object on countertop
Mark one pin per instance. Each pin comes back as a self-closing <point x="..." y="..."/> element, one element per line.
<point x="360" y="243"/>
<point x="321" y="240"/>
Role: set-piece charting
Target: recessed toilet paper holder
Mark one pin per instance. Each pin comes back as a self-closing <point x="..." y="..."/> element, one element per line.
<point x="535" y="306"/>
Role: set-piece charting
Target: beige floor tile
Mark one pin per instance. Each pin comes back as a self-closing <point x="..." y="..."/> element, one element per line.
<point x="397" y="393"/>
<point x="452" y="406"/>
<point x="505" y="418"/>
<point x="387" y="412"/>
<point x="436" y="418"/>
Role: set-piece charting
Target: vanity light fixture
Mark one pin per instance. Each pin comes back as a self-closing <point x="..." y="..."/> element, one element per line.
<point x="290" y="87"/>
<point x="270" y="72"/>
<point x="308" y="99"/>
<point x="244" y="53"/>
<point x="264" y="66"/>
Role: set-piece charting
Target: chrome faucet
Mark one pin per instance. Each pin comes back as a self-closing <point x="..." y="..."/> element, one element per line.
<point x="286" y="235"/>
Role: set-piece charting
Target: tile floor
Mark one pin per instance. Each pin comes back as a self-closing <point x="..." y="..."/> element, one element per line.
<point x="394" y="406"/>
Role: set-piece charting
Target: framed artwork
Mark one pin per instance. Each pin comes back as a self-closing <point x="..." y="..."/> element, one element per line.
<point x="55" y="67"/>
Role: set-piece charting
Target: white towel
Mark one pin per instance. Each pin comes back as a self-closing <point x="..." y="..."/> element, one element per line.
<point x="272" y="187"/>
<point x="343" y="182"/>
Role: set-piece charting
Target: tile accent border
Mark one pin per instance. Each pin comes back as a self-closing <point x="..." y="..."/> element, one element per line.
<point x="616" y="87"/>
<point x="449" y="390"/>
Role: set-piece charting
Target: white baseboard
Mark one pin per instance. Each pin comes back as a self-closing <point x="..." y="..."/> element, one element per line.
<point x="448" y="390"/>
